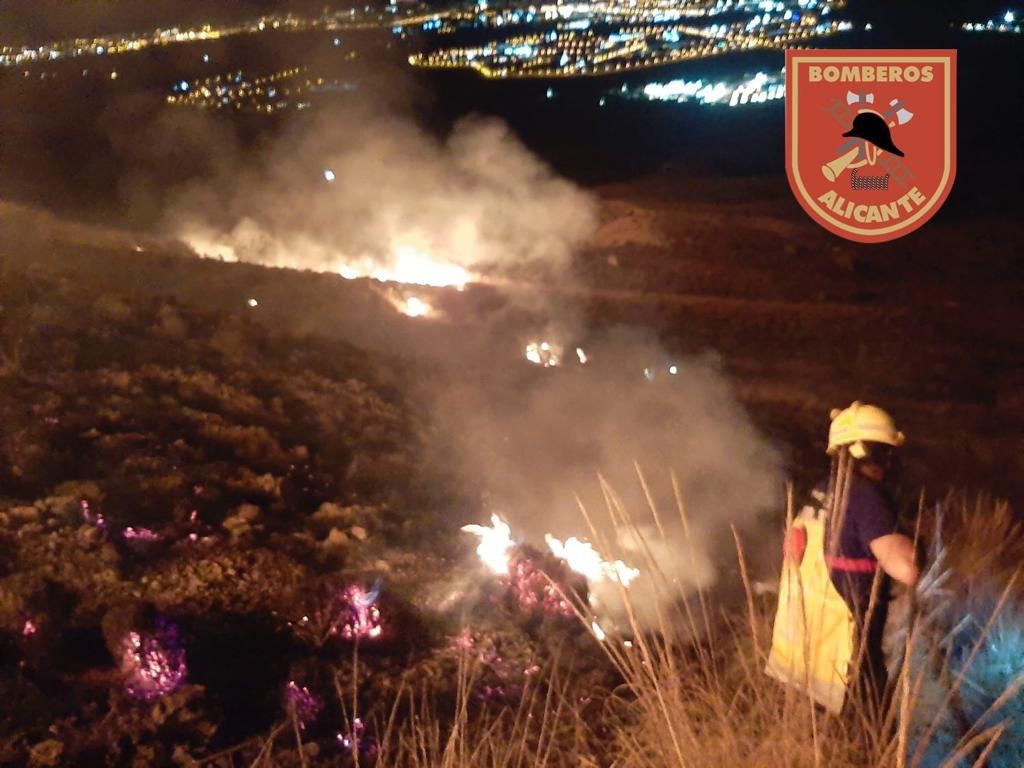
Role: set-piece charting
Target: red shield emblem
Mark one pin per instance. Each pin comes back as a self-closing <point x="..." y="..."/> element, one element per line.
<point x="871" y="138"/>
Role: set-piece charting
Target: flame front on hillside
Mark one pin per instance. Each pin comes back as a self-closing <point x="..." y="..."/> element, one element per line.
<point x="404" y="264"/>
<point x="408" y="265"/>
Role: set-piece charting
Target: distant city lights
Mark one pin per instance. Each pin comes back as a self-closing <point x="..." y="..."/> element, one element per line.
<point x="287" y="89"/>
<point x="633" y="35"/>
<point x="564" y="39"/>
<point x="1008" y="22"/>
<point x="752" y="89"/>
<point x="349" y="19"/>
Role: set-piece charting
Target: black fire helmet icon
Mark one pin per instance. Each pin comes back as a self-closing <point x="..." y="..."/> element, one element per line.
<point x="873" y="128"/>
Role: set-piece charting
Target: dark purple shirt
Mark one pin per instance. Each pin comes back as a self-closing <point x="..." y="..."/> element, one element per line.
<point x="869" y="515"/>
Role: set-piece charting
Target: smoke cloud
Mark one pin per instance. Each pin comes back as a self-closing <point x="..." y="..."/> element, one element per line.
<point x="540" y="449"/>
<point x="375" y="196"/>
<point x="369" y="193"/>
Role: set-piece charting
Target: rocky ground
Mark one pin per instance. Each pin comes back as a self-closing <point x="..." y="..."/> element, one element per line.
<point x="181" y="470"/>
<point x="176" y="479"/>
<point x="803" y="322"/>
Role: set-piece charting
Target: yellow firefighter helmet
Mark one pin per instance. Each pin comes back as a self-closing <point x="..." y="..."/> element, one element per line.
<point x="860" y="424"/>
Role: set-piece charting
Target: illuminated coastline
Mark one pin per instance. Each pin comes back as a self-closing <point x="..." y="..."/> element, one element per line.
<point x="608" y="38"/>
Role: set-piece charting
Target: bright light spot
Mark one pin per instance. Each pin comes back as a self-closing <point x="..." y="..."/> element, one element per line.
<point x="673" y="369"/>
<point x="412" y="306"/>
<point x="337" y="42"/>
<point x="415" y="307"/>
<point x="410" y="265"/>
<point x="206" y="58"/>
<point x="1009" y="17"/>
<point x="113" y="75"/>
<point x="253" y="303"/>
<point x="598" y="632"/>
<point x="649" y="374"/>
<point x="581" y="557"/>
<point x="495" y="543"/>
<point x="543" y="354"/>
<point x="868" y="27"/>
<point x="329" y="175"/>
<point x="752" y="90"/>
<point x="581" y="355"/>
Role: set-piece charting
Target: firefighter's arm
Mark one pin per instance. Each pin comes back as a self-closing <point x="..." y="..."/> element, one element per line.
<point x="895" y="553"/>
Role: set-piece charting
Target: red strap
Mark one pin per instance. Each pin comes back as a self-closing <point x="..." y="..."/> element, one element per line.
<point x="794" y="544"/>
<point x="851" y="564"/>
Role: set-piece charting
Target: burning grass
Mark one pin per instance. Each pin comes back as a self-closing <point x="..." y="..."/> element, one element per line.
<point x="698" y="697"/>
<point x="693" y="694"/>
<point x="192" y="536"/>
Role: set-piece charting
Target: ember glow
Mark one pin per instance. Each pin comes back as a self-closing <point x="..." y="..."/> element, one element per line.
<point x="92" y="518"/>
<point x="140" y="534"/>
<point x="495" y="544"/>
<point x="536" y="590"/>
<point x="350" y="612"/>
<point x="363" y="615"/>
<point x="357" y="742"/>
<point x="153" y="664"/>
<point x="303" y="703"/>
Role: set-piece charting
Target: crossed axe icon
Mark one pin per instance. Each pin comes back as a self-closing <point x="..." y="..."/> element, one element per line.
<point x="857" y="151"/>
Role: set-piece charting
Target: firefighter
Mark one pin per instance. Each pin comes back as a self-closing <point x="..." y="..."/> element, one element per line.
<point x="863" y="548"/>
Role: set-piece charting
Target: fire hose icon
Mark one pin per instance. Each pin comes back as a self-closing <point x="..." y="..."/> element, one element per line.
<point x="869" y="135"/>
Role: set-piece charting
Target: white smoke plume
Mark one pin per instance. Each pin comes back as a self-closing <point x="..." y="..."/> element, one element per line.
<point x="400" y="204"/>
<point x="538" y="450"/>
<point x="375" y="196"/>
